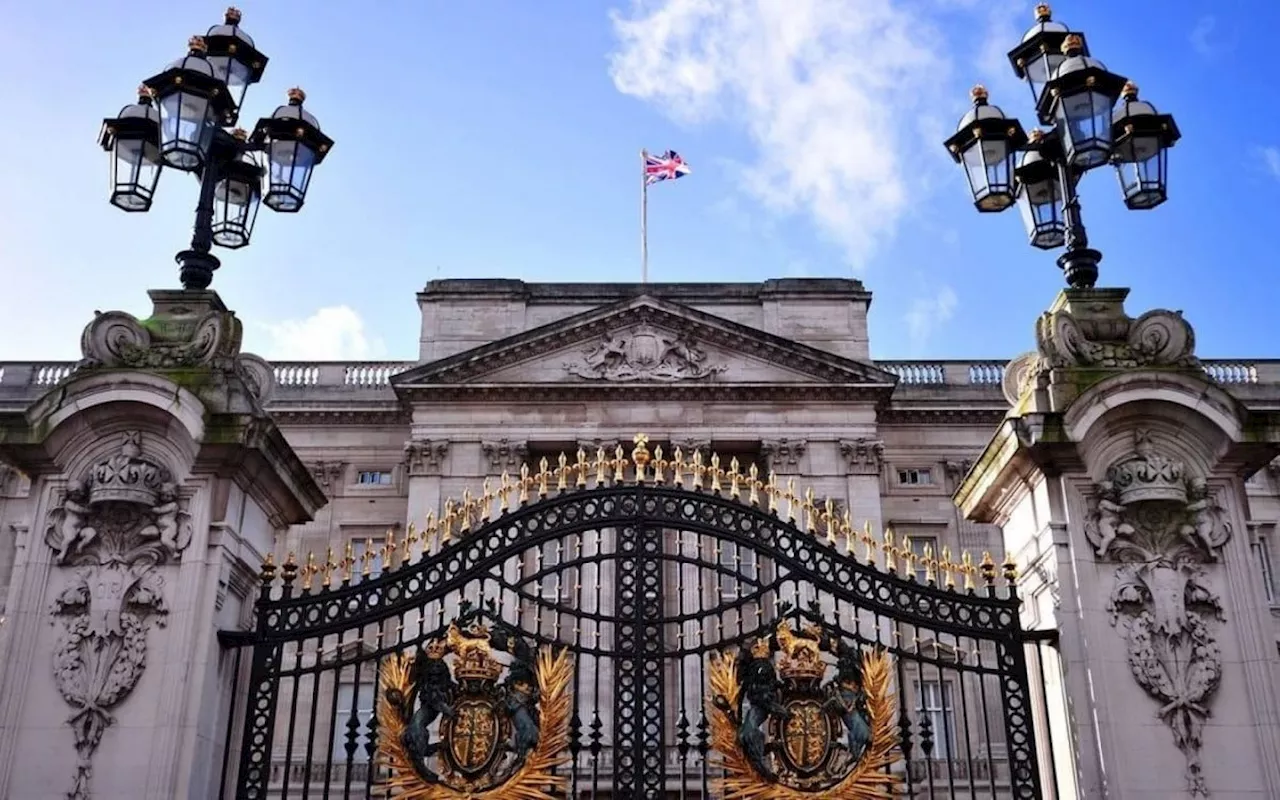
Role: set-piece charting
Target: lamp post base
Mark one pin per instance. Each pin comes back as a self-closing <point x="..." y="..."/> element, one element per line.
<point x="196" y="268"/>
<point x="1080" y="267"/>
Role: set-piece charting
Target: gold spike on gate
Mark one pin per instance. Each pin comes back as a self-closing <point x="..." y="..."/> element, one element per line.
<point x="659" y="466"/>
<point x="868" y="544"/>
<point x="677" y="468"/>
<point x="309" y="571"/>
<point x="524" y="483"/>
<point x="601" y="465"/>
<point x="967" y="570"/>
<point x="735" y="491"/>
<point x="562" y="473"/>
<point x="753" y="478"/>
<point x="947" y="568"/>
<point x="697" y="469"/>
<point x="619" y="465"/>
<point x="581" y="466"/>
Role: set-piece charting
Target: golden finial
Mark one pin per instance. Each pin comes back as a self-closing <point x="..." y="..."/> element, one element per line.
<point x="1009" y="571"/>
<point x="366" y="558"/>
<point x="978" y="94"/>
<point x="908" y="557"/>
<point x="1129" y="91"/>
<point x="868" y="544"/>
<point x="145" y="92"/>
<point x="640" y="454"/>
<point x="753" y="478"/>
<point x="1073" y="42"/>
<point x="619" y="465"/>
<point x="829" y="517"/>
<point x="698" y="469"/>
<point x="601" y="463"/>
<point x="715" y="472"/>
<point x="268" y="573"/>
<point x="581" y="466"/>
<point x="486" y="500"/>
<point x="791" y="499"/>
<point x="930" y="574"/>
<point x="808" y="510"/>
<point x="771" y="491"/>
<point x="504" y="493"/>
<point x="966" y="568"/>
<point x="465" y="511"/>
<point x="525" y="480"/>
<point x="544" y="477"/>
<point x="232" y="16"/>
<point x="309" y="571"/>
<point x="677" y="467"/>
<point x="846" y="528"/>
<point x="196" y="44"/>
<point x="948" y="568"/>
<point x="406" y="545"/>
<point x="988" y="569"/>
<point x="389" y="549"/>
<point x="328" y="567"/>
<point x="296" y="95"/>
<point x="431" y="531"/>
<point x="290" y="571"/>
<point x="1043" y="12"/>
<point x="562" y="472"/>
<point x="446" y="521"/>
<point x="348" y="560"/>
<point x="890" y="555"/>
<point x="659" y="466"/>
<point x="734" y="478"/>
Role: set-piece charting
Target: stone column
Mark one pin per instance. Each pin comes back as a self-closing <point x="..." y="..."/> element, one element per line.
<point x="1118" y="480"/>
<point x="158" y="486"/>
<point x="864" y="462"/>
<point x="424" y="463"/>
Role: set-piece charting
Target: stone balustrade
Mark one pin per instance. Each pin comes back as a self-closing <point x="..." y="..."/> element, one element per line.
<point x="26" y="380"/>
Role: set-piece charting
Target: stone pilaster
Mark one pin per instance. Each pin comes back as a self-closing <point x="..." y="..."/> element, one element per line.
<point x="505" y="455"/>
<point x="1116" y="480"/>
<point x="425" y="464"/>
<point x="784" y="456"/>
<point x="158" y="486"/>
<point x="863" y="460"/>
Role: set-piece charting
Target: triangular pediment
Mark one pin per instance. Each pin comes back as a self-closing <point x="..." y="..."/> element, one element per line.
<point x="644" y="342"/>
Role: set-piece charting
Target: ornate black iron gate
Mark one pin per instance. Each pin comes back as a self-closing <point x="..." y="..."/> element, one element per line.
<point x="633" y="627"/>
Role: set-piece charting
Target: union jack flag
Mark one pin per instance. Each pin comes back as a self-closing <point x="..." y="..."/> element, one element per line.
<point x="666" y="167"/>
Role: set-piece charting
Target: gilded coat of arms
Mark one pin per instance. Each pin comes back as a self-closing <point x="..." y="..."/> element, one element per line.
<point x="501" y="729"/>
<point x="784" y="729"/>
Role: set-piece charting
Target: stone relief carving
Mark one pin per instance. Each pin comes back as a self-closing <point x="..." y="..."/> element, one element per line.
<point x="114" y="526"/>
<point x="783" y="455"/>
<point x="865" y="456"/>
<point x="956" y="470"/>
<point x="327" y="473"/>
<point x="424" y="457"/>
<point x="505" y="455"/>
<point x="1164" y="528"/>
<point x="645" y="354"/>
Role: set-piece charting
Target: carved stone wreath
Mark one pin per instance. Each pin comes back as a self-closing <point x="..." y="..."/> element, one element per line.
<point x="114" y="526"/>
<point x="1163" y="529"/>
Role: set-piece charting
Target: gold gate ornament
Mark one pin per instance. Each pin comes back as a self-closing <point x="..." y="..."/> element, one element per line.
<point x="498" y="738"/>
<point x="782" y="732"/>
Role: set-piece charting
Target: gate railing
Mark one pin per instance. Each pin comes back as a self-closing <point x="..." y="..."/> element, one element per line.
<point x="325" y="621"/>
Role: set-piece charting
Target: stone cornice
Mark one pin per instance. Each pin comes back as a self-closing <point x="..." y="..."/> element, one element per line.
<point x="542" y="392"/>
<point x="967" y="415"/>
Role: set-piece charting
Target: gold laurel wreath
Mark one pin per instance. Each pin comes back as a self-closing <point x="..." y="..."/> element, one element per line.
<point x="869" y="779"/>
<point x="533" y="781"/>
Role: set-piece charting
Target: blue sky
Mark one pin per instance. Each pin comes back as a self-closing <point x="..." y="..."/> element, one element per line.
<point x="500" y="139"/>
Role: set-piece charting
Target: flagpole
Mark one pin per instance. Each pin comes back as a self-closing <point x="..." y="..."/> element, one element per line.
<point x="644" y="218"/>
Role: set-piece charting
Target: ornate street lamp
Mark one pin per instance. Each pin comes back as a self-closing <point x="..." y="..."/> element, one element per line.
<point x="1077" y="96"/>
<point x="180" y="122"/>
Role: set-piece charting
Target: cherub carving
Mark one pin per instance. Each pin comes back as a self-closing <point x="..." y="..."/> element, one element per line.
<point x="1202" y="528"/>
<point x="166" y="524"/>
<point x="71" y="530"/>
<point x="1110" y="523"/>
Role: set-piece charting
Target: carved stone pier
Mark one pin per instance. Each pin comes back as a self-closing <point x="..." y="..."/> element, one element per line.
<point x="1118" y="479"/>
<point x="158" y="485"/>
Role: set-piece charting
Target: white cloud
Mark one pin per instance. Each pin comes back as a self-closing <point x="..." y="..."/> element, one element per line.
<point x="1271" y="160"/>
<point x="333" y="333"/>
<point x="929" y="313"/>
<point x="1202" y="35"/>
<point x="833" y="94"/>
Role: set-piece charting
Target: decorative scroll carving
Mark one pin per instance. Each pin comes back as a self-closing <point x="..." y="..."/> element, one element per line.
<point x="783" y="455"/>
<point x="424" y="457"/>
<point x="1163" y="528"/>
<point x="327" y="473"/>
<point x="114" y="526"/>
<point x="865" y="456"/>
<point x="645" y="354"/>
<point x="505" y="455"/>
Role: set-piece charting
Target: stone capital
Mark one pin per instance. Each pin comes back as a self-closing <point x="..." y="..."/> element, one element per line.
<point x="327" y="473"/>
<point x="863" y="456"/>
<point x="505" y="455"/>
<point x="425" y="457"/>
<point x="783" y="455"/>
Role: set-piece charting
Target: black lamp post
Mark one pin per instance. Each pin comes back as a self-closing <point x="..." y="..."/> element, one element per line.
<point x="180" y="121"/>
<point x="1075" y="95"/>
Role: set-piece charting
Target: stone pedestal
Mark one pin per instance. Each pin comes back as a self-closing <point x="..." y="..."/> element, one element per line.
<point x="1118" y="479"/>
<point x="158" y="486"/>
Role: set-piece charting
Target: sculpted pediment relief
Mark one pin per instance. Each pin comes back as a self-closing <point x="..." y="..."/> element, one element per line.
<point x="644" y="341"/>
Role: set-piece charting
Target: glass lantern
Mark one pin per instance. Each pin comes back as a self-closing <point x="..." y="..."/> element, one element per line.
<point x="234" y="59"/>
<point x="1142" y="138"/>
<point x="1040" y="197"/>
<point x="294" y="146"/>
<point x="1039" y="54"/>
<point x="192" y="102"/>
<point x="235" y="199"/>
<point x="133" y="138"/>
<point x="986" y="143"/>
<point x="1079" y="99"/>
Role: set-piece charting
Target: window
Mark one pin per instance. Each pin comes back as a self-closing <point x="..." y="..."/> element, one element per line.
<point x="361" y="696"/>
<point x="373" y="478"/>
<point x="933" y="702"/>
<point x="918" y="544"/>
<point x="915" y="477"/>
<point x="1262" y="549"/>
